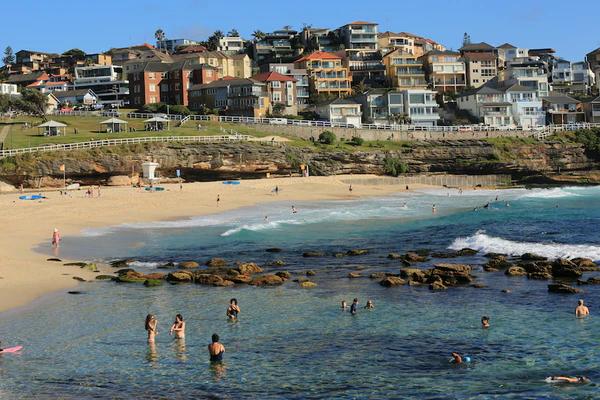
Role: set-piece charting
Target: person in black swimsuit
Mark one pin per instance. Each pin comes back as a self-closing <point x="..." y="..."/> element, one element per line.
<point x="216" y="349"/>
<point x="354" y="306"/>
<point x="233" y="310"/>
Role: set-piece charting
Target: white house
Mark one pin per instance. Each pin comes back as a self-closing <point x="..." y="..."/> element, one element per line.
<point x="385" y="106"/>
<point x="76" y="97"/>
<point x="507" y="52"/>
<point x="231" y="44"/>
<point x="583" y="77"/>
<point x="530" y="72"/>
<point x="421" y="107"/>
<point x="562" y="73"/>
<point x="9" y="89"/>
<point x="341" y="111"/>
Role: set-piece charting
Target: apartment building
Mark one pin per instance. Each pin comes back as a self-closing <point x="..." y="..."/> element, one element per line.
<point x="583" y="78"/>
<point x="481" y="62"/>
<point x="562" y="109"/>
<point x="171" y="45"/>
<point x="320" y="39"/>
<point x="390" y="106"/>
<point x="301" y="78"/>
<point x="388" y="41"/>
<point x="245" y="97"/>
<point x="281" y="89"/>
<point x="8" y="89"/>
<point x="277" y="46"/>
<point x="145" y="52"/>
<point x="233" y="65"/>
<point x="530" y="72"/>
<point x="231" y="45"/>
<point x="562" y="74"/>
<point x="507" y="52"/>
<point x="404" y="70"/>
<point x="593" y="59"/>
<point x="98" y="59"/>
<point x="425" y="45"/>
<point x="341" y="111"/>
<point x="326" y="74"/>
<point x="33" y="60"/>
<point x="445" y="71"/>
<point x="592" y="109"/>
<point x="359" y="37"/>
<point x="106" y="81"/>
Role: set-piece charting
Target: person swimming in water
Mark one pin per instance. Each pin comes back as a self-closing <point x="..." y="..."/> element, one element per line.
<point x="433" y="209"/>
<point x="294" y="211"/>
<point x="485" y="322"/>
<point x="581" y="311"/>
<point x="216" y="349"/>
<point x="233" y="310"/>
<point x="178" y="327"/>
<point x="151" y="327"/>
<point x="344" y="305"/>
<point x="456" y="358"/>
<point x="570" y="379"/>
<point x="369" y="305"/>
<point x="353" y="307"/>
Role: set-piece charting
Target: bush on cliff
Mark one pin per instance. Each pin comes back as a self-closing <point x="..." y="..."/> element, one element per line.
<point x="590" y="138"/>
<point x="394" y="166"/>
<point x="356" y="141"/>
<point x="327" y="137"/>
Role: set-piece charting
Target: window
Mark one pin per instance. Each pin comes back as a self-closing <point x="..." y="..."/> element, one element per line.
<point x="276" y="96"/>
<point x="152" y="87"/>
<point x="417" y="98"/>
<point x="151" y="75"/>
<point x="276" y="84"/>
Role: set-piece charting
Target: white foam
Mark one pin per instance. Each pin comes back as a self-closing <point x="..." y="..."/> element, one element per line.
<point x="145" y="264"/>
<point x="482" y="242"/>
<point x="554" y="193"/>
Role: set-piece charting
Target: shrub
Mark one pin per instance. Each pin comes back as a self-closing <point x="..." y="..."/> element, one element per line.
<point x="394" y="166"/>
<point x="327" y="137"/>
<point x="356" y="141"/>
<point x="590" y="138"/>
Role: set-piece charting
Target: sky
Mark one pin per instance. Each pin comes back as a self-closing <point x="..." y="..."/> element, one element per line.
<point x="572" y="28"/>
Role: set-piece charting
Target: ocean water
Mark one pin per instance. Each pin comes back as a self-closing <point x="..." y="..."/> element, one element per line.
<point x="293" y="343"/>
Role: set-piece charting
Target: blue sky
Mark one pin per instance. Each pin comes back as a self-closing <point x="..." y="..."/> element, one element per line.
<point x="571" y="27"/>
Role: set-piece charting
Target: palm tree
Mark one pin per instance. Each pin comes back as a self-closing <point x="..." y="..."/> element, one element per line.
<point x="233" y="33"/>
<point x="287" y="28"/>
<point x="159" y="35"/>
<point x="258" y="34"/>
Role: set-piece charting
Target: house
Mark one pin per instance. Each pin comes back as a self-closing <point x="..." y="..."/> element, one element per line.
<point x="191" y="49"/>
<point x="301" y="78"/>
<point x="281" y="90"/>
<point x="231" y="44"/>
<point x="320" y="39"/>
<point x="504" y="104"/>
<point x="240" y="97"/>
<point x="277" y="46"/>
<point x="34" y="60"/>
<point x="234" y="65"/>
<point x="562" y="75"/>
<point x="326" y="74"/>
<point x="76" y="97"/>
<point x="359" y="37"/>
<point x="481" y="62"/>
<point x="366" y="68"/>
<point x="445" y="71"/>
<point x="171" y="45"/>
<point x="530" y="72"/>
<point x="341" y="111"/>
<point x="404" y="70"/>
<point x="593" y="59"/>
<point x="592" y="109"/>
<point x="98" y="59"/>
<point x="583" y="78"/>
<point x="561" y="109"/>
<point x="375" y="106"/>
<point x="49" y="86"/>
<point x="23" y="80"/>
<point x="388" y="41"/>
<point x="420" y="107"/>
<point x="9" y="89"/>
<point x="507" y="52"/>
<point x="106" y="81"/>
<point x="144" y="52"/>
<point x="52" y="103"/>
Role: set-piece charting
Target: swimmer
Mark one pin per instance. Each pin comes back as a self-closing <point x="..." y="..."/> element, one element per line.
<point x="581" y="311"/>
<point x="178" y="327"/>
<point x="485" y="322"/>
<point x="344" y="305"/>
<point x="433" y="209"/>
<point x="456" y="358"/>
<point x="353" y="307"/>
<point x="151" y="325"/>
<point x="404" y="205"/>
<point x="266" y="218"/>
<point x="233" y="310"/>
<point x="294" y="211"/>
<point x="570" y="379"/>
<point x="216" y="349"/>
<point x="369" y="305"/>
<point x="496" y="198"/>
<point x="507" y="204"/>
<point x="487" y="205"/>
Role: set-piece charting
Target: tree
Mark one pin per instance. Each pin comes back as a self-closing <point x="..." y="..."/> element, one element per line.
<point x="287" y="28"/>
<point x="159" y="35"/>
<point x="359" y="88"/>
<point x="33" y="102"/>
<point x="77" y="53"/>
<point x="394" y="166"/>
<point x="466" y="39"/>
<point x="5" y="103"/>
<point x="9" y="57"/>
<point x="233" y="33"/>
<point x="278" y="109"/>
<point x="327" y="137"/>
<point x="258" y="35"/>
<point x="213" y="40"/>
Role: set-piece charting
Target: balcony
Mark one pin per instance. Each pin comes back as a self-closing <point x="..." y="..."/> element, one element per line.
<point x="409" y="71"/>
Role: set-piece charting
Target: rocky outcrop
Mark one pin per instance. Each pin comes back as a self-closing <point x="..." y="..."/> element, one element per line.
<point x="216" y="262"/>
<point x="353" y="275"/>
<point x="563" y="268"/>
<point x="357" y="252"/>
<point x="211" y="280"/>
<point x="562" y="288"/>
<point x="391" y="281"/>
<point x="188" y="264"/>
<point x="307" y="284"/>
<point x="452" y="274"/>
<point x="313" y="254"/>
<point x="267" y="280"/>
<point x="249" y="268"/>
<point x="179" y="277"/>
<point x="516" y="271"/>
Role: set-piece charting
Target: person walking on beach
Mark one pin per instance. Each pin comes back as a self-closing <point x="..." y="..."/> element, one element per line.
<point x="55" y="238"/>
<point x="216" y="349"/>
<point x="581" y="311"/>
<point x="151" y="327"/>
<point x="218" y="199"/>
<point x="354" y="306"/>
<point x="178" y="327"/>
<point x="350" y="188"/>
<point x="233" y="310"/>
<point x="276" y="190"/>
<point x="485" y="322"/>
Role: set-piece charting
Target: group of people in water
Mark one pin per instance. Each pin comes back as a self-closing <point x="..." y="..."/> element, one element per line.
<point x="215" y="348"/>
<point x="354" y="306"/>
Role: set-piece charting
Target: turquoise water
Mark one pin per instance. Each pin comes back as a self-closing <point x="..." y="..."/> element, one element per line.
<point x="296" y="344"/>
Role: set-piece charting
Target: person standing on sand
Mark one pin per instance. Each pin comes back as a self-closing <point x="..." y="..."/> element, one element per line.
<point x="218" y="199"/>
<point x="350" y="188"/>
<point x="354" y="306"/>
<point x="55" y="238"/>
<point x="178" y="327"/>
<point x="216" y="349"/>
<point x="151" y="326"/>
<point x="581" y="311"/>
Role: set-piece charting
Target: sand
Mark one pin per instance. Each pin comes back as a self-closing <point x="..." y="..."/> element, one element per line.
<point x="25" y="274"/>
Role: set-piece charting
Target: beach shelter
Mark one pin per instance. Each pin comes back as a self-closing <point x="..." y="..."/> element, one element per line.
<point x="156" y="124"/>
<point x="52" y="128"/>
<point x="114" y="125"/>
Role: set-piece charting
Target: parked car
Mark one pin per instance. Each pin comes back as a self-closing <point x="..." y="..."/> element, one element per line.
<point x="278" y="121"/>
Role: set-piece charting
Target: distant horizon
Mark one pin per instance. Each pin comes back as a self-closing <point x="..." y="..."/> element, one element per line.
<point x="528" y="24"/>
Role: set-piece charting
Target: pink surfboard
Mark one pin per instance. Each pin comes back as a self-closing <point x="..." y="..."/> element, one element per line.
<point x="11" y="349"/>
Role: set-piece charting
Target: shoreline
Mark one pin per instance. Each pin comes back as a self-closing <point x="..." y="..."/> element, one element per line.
<point x="26" y="275"/>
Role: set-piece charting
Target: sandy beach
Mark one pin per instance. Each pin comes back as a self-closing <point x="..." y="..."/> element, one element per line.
<point x="26" y="274"/>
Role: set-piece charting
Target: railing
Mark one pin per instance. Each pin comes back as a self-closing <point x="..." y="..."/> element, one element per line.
<point x="121" y="141"/>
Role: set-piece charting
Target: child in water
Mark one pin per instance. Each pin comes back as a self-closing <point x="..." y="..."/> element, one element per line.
<point x="369" y="305"/>
<point x="485" y="322"/>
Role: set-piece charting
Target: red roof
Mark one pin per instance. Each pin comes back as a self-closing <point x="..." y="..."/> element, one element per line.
<point x="319" y="55"/>
<point x="272" y="76"/>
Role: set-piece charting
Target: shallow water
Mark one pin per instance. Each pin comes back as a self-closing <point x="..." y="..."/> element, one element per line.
<point x="296" y="344"/>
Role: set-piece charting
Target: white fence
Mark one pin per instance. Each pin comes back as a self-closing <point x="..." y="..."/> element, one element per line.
<point x="119" y="141"/>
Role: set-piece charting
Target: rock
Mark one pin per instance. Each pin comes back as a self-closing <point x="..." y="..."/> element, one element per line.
<point x="310" y="272"/>
<point x="307" y="285"/>
<point x="267" y="280"/>
<point x="445" y="254"/>
<point x="125" y="271"/>
<point x="313" y="254"/>
<point x="211" y="280"/>
<point x="516" y="271"/>
<point x="594" y="280"/>
<point x="130" y="276"/>
<point x="414" y="257"/>
<point x="168" y="265"/>
<point x="496" y="264"/>
<point x="392" y="281"/>
<point x="155" y="276"/>
<point x="121" y="263"/>
<point x="153" y="282"/>
<point x="91" y="267"/>
<point x="339" y="255"/>
<point x="240" y="278"/>
<point x="278" y="263"/>
<point x="249" y="268"/>
<point x="54" y="259"/>
<point x="414" y="274"/>
<point x="106" y="278"/>
<point x="378" y="275"/>
<point x="467" y="252"/>
<point x="533" y="257"/>
<point x="118" y="180"/>
<point x="564" y="268"/>
<point x="495" y="255"/>
<point x="188" y="264"/>
<point x="539" y="275"/>
<point x="538" y="267"/>
<point x="562" y="288"/>
<point x="75" y="264"/>
<point x="353" y="275"/>
<point x="395" y="256"/>
<point x="479" y="286"/>
<point x="357" y="252"/>
<point x="423" y="252"/>
<point x="452" y="274"/>
<point x="6" y="188"/>
<point x="585" y="264"/>
<point x="285" y="275"/>
<point x="77" y="278"/>
<point x="216" y="262"/>
<point x="437" y="285"/>
<point x="273" y="250"/>
<point x="506" y="291"/>
<point x="179" y="277"/>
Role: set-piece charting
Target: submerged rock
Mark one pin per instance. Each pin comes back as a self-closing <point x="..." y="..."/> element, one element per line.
<point x="216" y="262"/>
<point x="310" y="272"/>
<point x="179" y="277"/>
<point x="467" y="252"/>
<point x="313" y="254"/>
<point x="445" y="254"/>
<point x="353" y="275"/>
<point x="211" y="280"/>
<point x="437" y="285"/>
<point x="378" y="275"/>
<point x="153" y="282"/>
<point x="77" y="278"/>
<point x="307" y="284"/>
<point x="395" y="256"/>
<point x="562" y="288"/>
<point x="516" y="271"/>
<point x="414" y="257"/>
<point x="54" y="259"/>
<point x="357" y="252"/>
<point x="284" y="275"/>
<point x="249" y="268"/>
<point x="564" y="268"/>
<point x="585" y="264"/>
<point x="452" y="274"/>
<point x="106" y="278"/>
<point x="533" y="257"/>
<point x="594" y="280"/>
<point x="278" y="263"/>
<point x="414" y="274"/>
<point x="75" y="264"/>
<point x="267" y="280"/>
<point x="240" y="278"/>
